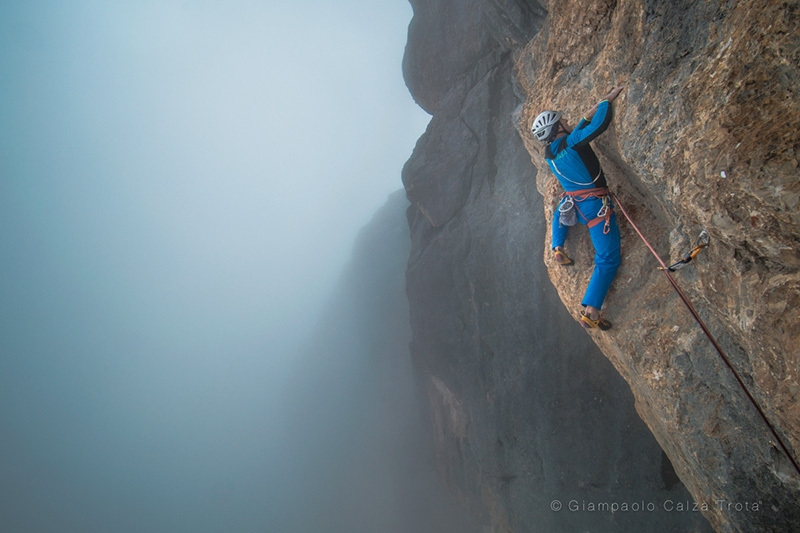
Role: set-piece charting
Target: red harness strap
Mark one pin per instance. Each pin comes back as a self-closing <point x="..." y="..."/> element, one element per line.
<point x="604" y="215"/>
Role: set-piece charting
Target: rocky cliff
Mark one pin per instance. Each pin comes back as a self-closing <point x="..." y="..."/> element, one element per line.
<point x="528" y="411"/>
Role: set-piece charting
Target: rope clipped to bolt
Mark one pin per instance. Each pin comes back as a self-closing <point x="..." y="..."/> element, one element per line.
<point x="702" y="242"/>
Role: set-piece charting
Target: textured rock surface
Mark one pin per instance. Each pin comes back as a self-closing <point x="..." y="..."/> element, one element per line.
<point x="525" y="409"/>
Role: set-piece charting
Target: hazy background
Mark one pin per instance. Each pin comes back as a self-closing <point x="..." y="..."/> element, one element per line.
<point x="181" y="183"/>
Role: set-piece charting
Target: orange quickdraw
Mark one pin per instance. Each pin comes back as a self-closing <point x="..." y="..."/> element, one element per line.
<point x="702" y="241"/>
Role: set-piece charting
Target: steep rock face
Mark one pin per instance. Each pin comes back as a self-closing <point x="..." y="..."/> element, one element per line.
<point x="705" y="137"/>
<point x="524" y="408"/>
<point x="450" y="36"/>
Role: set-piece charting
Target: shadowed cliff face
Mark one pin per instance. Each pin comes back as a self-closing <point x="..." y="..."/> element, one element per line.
<point x="524" y="406"/>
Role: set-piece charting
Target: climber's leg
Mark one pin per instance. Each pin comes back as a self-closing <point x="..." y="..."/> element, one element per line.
<point x="607" y="259"/>
<point x="559" y="232"/>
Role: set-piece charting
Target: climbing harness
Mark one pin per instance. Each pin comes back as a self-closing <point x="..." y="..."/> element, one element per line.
<point x="603" y="215"/>
<point x="702" y="241"/>
<point x="711" y="338"/>
<point x="567" y="216"/>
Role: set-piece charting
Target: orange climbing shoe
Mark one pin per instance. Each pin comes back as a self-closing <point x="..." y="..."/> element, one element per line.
<point x="601" y="323"/>
<point x="562" y="258"/>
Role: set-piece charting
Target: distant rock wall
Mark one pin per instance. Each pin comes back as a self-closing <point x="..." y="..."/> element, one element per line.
<point x="524" y="408"/>
<point x="355" y="454"/>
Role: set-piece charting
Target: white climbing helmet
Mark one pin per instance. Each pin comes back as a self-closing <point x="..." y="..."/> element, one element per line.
<point x="544" y="123"/>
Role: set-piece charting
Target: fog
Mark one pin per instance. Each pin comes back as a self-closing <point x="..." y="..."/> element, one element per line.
<point x="181" y="185"/>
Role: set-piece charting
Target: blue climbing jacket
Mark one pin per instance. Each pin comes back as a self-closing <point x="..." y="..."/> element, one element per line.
<point x="571" y="158"/>
<point x="577" y="168"/>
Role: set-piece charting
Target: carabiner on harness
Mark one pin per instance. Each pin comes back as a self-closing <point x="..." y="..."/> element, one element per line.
<point x="604" y="213"/>
<point x="603" y="210"/>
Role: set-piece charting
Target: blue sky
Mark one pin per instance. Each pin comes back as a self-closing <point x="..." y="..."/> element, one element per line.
<point x="181" y="183"/>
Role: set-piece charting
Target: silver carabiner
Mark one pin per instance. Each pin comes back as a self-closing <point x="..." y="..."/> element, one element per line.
<point x="603" y="210"/>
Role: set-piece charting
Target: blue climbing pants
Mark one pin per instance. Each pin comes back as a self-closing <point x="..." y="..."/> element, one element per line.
<point x="607" y="256"/>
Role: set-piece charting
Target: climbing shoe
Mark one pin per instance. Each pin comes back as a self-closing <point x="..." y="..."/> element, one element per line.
<point x="562" y="258"/>
<point x="600" y="323"/>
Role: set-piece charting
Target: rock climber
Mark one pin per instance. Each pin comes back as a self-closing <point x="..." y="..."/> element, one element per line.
<point x="585" y="198"/>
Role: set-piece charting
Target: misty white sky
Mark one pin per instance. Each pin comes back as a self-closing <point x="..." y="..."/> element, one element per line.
<point x="181" y="183"/>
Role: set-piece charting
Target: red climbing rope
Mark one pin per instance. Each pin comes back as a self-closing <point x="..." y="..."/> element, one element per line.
<point x="709" y="335"/>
